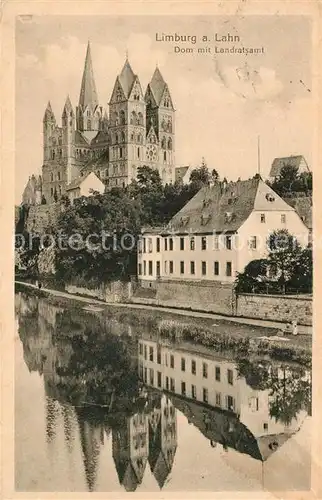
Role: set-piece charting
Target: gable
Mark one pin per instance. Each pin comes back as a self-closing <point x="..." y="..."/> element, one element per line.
<point x="166" y="100"/>
<point x="136" y="93"/>
<point x="267" y="200"/>
<point x="118" y="94"/>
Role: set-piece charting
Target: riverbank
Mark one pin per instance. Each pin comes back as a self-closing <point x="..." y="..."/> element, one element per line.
<point x="258" y="331"/>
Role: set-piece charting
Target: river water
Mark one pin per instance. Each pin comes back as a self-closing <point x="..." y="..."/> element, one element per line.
<point x="104" y="404"/>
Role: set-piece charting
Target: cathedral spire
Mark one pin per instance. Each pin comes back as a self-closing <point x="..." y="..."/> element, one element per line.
<point x="127" y="77"/>
<point x="88" y="93"/>
<point x="49" y="115"/>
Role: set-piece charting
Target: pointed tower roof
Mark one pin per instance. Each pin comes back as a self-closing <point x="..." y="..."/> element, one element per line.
<point x="157" y="85"/>
<point x="68" y="106"/>
<point x="127" y="78"/>
<point x="88" y="93"/>
<point x="49" y="112"/>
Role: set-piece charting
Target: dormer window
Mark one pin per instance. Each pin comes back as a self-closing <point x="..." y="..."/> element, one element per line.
<point x="270" y="197"/>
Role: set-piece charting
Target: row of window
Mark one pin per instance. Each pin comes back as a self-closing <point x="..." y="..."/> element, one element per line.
<point x="170" y="385"/>
<point x="263" y="218"/>
<point x="146" y="244"/>
<point x="144" y="352"/>
<point x="59" y="176"/>
<point x="147" y="268"/>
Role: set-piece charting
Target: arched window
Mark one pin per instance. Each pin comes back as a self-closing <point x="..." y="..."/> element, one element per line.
<point x="133" y="118"/>
<point x="123" y="137"/>
<point x="116" y="118"/>
<point x="106" y="172"/>
<point x="138" y="152"/>
<point x="89" y="125"/>
<point x="53" y="154"/>
<point x="169" y="143"/>
<point x="122" y="117"/>
<point x="139" y="138"/>
<point x="132" y="137"/>
<point x="121" y="152"/>
<point x="116" y="138"/>
<point x="163" y="143"/>
<point x="140" y="119"/>
<point x="71" y="114"/>
<point x="165" y="156"/>
<point x="51" y="177"/>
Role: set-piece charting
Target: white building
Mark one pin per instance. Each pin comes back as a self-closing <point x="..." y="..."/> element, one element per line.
<point x="217" y="233"/>
<point x="84" y="186"/>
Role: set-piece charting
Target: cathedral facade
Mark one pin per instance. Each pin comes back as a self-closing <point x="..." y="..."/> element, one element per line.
<point x="137" y="130"/>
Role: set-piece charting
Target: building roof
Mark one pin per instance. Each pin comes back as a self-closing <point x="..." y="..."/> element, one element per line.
<point x="88" y="93"/>
<point x="157" y="85"/>
<point x="76" y="182"/>
<point x="127" y="78"/>
<point x="303" y="207"/>
<point x="225" y="206"/>
<point x="279" y="163"/>
<point x="180" y="172"/>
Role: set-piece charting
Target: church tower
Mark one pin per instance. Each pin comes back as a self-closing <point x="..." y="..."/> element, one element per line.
<point x="89" y="115"/>
<point x="68" y="141"/>
<point x="160" y="131"/>
<point x="49" y="124"/>
<point x="126" y="128"/>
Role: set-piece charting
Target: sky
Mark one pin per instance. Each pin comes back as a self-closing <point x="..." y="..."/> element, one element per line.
<point x="223" y="102"/>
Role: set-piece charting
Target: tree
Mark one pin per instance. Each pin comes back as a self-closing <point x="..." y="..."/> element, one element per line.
<point x="302" y="275"/>
<point x="284" y="254"/>
<point x="200" y="176"/>
<point x="253" y="277"/>
<point x="214" y="175"/>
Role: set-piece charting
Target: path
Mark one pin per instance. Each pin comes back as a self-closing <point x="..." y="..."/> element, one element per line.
<point x="276" y="325"/>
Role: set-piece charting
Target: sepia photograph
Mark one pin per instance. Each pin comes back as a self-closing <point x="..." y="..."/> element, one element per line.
<point x="163" y="253"/>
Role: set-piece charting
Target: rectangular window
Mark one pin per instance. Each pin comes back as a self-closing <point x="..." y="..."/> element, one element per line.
<point x="145" y="375"/>
<point x="192" y="243"/>
<point x="141" y="348"/>
<point x="265" y="426"/>
<point x="203" y="242"/>
<point x="172" y="385"/>
<point x="205" y="370"/>
<point x="262" y="218"/>
<point x="230" y="376"/>
<point x="218" y="399"/>
<point x="181" y="267"/>
<point x="171" y="266"/>
<point x="171" y="361"/>
<point x="166" y="359"/>
<point x="217" y="371"/>
<point x="283" y="218"/>
<point x="59" y="176"/>
<point x="159" y="379"/>
<point x="183" y="364"/>
<point x="170" y="243"/>
<point x="167" y="383"/>
<point x="192" y="267"/>
<point x="144" y="245"/>
<point x="158" y="272"/>
<point x="203" y="268"/>
<point x="140" y="246"/>
<point x="228" y="242"/>
<point x="145" y="352"/>
<point x="230" y="403"/>
<point x="193" y="392"/>
<point x="150" y="245"/>
<point x="216" y="268"/>
<point x="151" y="376"/>
<point x="165" y="244"/>
<point x="165" y="267"/>
<point x="144" y="268"/>
<point x="205" y="395"/>
<point x="216" y="243"/>
<point x="158" y="244"/>
<point x="183" y="388"/>
<point x="253" y="242"/>
<point x="140" y="269"/>
<point x="150" y="267"/>
<point x="151" y="353"/>
<point x="181" y="243"/>
<point x="228" y="269"/>
<point x="193" y="367"/>
<point x="159" y="355"/>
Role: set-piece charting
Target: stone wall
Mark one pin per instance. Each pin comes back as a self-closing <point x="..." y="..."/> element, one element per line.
<point x="116" y="291"/>
<point x="201" y="296"/>
<point x="275" y="307"/>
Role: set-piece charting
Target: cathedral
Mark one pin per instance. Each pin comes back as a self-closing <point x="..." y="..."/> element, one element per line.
<point x="137" y="130"/>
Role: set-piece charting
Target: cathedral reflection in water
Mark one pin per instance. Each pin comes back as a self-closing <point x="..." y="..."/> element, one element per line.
<point x="132" y="396"/>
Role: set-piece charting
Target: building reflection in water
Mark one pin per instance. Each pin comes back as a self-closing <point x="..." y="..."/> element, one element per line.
<point x="218" y="396"/>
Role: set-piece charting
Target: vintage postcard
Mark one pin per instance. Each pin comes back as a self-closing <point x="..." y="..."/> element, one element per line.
<point x="163" y="161"/>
